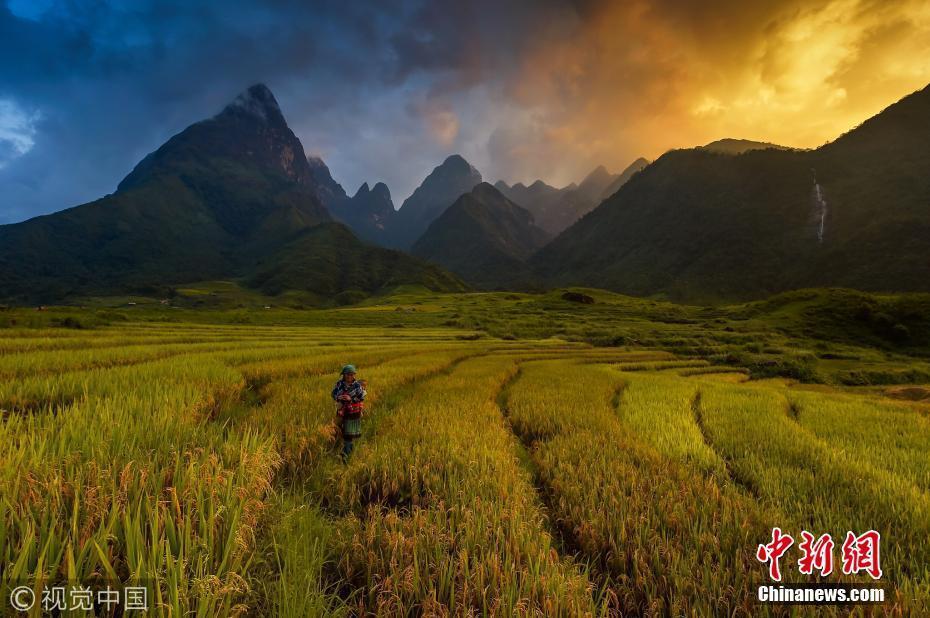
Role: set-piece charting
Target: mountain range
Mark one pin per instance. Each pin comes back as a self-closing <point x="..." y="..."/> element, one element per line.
<point x="454" y="177"/>
<point x="699" y="225"/>
<point x="556" y="209"/>
<point x="235" y="197"/>
<point x="485" y="238"/>
<point x="368" y="213"/>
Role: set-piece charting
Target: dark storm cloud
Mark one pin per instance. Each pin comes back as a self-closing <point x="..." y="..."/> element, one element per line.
<point x="110" y="82"/>
<point x="385" y="90"/>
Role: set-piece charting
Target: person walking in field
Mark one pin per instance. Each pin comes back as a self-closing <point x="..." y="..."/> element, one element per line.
<point x="349" y="395"/>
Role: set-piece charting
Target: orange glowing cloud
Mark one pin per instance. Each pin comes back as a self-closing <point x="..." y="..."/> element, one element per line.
<point x="622" y="80"/>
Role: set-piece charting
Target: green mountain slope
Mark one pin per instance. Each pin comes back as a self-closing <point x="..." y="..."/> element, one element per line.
<point x="214" y="201"/>
<point x="541" y="199"/>
<point x="329" y="261"/>
<point x="697" y="225"/>
<point x="485" y="238"/>
<point x="622" y="178"/>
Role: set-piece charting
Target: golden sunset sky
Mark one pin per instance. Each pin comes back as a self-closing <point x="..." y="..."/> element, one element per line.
<point x="384" y="90"/>
<point x="612" y="80"/>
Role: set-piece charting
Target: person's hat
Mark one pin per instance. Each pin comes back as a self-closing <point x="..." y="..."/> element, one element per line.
<point x="348" y="369"/>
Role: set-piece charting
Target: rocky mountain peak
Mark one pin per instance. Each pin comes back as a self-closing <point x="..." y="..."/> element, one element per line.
<point x="484" y="190"/>
<point x="598" y="176"/>
<point x="455" y="172"/>
<point x="257" y="101"/>
<point x="381" y="191"/>
<point x="457" y="161"/>
<point x="449" y="180"/>
<point x="250" y="131"/>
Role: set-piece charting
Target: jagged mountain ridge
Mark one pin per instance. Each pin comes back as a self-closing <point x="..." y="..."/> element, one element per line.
<point x="234" y="195"/>
<point x="368" y="213"/>
<point x="701" y="226"/>
<point x="622" y="178"/>
<point x="556" y="209"/>
<point x="217" y="200"/>
<point x="371" y="215"/>
<point x="452" y="178"/>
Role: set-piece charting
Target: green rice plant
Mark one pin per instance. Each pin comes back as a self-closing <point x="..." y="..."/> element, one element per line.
<point x="301" y="413"/>
<point x="499" y="477"/>
<point x="58" y="361"/>
<point x="713" y="369"/>
<point x="650" y="525"/>
<point x="138" y="484"/>
<point x="821" y="487"/>
<point x="659" y="410"/>
<point x="303" y="550"/>
<point x="441" y="517"/>
<point x="887" y="435"/>
<point x="660" y="365"/>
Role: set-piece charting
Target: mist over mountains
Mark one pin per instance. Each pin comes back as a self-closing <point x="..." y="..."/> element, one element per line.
<point x="701" y="225"/>
<point x="556" y="209"/>
<point x="236" y="197"/>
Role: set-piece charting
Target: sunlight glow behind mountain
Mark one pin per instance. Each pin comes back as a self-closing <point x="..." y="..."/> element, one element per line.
<point x="641" y="78"/>
<point x="523" y="90"/>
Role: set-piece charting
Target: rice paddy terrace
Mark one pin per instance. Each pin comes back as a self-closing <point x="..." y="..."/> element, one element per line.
<point x="494" y="477"/>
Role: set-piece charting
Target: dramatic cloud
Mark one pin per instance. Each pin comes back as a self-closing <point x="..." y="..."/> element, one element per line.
<point x="643" y="77"/>
<point x="17" y="129"/>
<point x="385" y="90"/>
<point x="443" y="125"/>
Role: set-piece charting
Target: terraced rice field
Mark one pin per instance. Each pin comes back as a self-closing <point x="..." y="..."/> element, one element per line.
<point x="494" y="477"/>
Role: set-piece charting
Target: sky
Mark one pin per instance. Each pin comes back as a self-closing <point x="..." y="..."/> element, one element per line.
<point x="385" y="90"/>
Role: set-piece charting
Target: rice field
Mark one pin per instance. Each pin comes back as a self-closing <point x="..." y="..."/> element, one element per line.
<point x="494" y="477"/>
